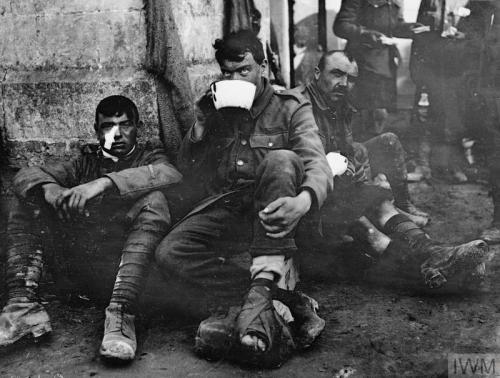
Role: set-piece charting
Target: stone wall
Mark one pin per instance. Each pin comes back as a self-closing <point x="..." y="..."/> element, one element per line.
<point x="60" y="57"/>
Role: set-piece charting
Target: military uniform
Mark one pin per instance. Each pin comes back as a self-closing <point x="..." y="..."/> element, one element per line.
<point x="244" y="161"/>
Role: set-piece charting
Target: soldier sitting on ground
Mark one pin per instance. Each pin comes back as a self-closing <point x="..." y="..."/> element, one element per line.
<point x="111" y="190"/>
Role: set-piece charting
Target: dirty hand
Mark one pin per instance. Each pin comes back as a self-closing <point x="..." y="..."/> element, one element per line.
<point x="203" y="108"/>
<point x="51" y="193"/>
<point x="371" y="38"/>
<point x="73" y="200"/>
<point x="281" y="216"/>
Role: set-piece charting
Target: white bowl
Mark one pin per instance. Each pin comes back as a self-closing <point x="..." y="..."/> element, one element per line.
<point x="337" y="163"/>
<point x="233" y="93"/>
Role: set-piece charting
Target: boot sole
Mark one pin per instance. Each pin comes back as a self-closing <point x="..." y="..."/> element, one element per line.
<point x="460" y="267"/>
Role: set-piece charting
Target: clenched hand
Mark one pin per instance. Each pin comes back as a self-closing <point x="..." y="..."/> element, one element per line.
<point x="72" y="201"/>
<point x="281" y="216"/>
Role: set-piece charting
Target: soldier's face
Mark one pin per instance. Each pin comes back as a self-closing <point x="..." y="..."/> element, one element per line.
<point x="336" y="78"/>
<point x="248" y="70"/>
<point x="117" y="134"/>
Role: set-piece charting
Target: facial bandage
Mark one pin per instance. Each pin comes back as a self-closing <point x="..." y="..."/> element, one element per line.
<point x="109" y="137"/>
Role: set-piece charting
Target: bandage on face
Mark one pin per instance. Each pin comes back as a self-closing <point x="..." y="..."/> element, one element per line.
<point x="109" y="137"/>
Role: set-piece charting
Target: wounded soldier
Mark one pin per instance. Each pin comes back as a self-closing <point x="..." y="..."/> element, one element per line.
<point x="110" y="190"/>
<point x="256" y="156"/>
<point x="367" y="212"/>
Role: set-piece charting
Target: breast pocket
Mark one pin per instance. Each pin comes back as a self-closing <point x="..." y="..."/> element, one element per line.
<point x="269" y="141"/>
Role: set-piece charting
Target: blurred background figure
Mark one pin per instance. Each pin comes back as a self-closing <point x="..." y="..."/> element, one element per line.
<point x="369" y="27"/>
<point x="445" y="66"/>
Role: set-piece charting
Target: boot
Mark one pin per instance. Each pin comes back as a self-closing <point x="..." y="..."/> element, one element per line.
<point x="439" y="263"/>
<point x="457" y="262"/>
<point x="217" y="335"/>
<point x="119" y="341"/>
<point x="307" y="324"/>
<point x="23" y="319"/>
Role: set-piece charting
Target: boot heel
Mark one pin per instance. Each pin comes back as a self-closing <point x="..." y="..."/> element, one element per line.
<point x="40" y="330"/>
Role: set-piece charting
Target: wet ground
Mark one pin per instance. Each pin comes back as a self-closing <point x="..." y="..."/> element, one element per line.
<point x="371" y="329"/>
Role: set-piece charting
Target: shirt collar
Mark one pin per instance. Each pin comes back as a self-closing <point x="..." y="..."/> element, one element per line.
<point x="261" y="102"/>
<point x="115" y="159"/>
<point x="321" y="102"/>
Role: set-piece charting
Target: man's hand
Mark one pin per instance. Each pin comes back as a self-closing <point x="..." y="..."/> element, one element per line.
<point x="52" y="192"/>
<point x="73" y="200"/>
<point x="202" y="110"/>
<point x="281" y="216"/>
<point x="372" y="38"/>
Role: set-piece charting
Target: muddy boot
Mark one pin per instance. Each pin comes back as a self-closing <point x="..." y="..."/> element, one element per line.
<point x="20" y="319"/>
<point x="23" y="315"/>
<point x="119" y="342"/>
<point x="457" y="262"/>
<point x="307" y="324"/>
<point x="217" y="335"/>
<point x="439" y="263"/>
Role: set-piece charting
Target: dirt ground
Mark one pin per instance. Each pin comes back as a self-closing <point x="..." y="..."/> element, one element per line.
<point x="372" y="329"/>
<point x="377" y="331"/>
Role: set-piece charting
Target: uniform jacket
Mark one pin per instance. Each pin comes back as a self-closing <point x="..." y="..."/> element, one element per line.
<point x="335" y="129"/>
<point x="234" y="145"/>
<point x="357" y="18"/>
<point x="134" y="176"/>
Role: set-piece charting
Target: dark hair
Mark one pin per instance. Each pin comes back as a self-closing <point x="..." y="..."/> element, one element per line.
<point x="321" y="63"/>
<point x="116" y="106"/>
<point x="234" y="46"/>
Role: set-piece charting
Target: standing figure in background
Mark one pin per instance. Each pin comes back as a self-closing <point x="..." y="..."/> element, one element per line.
<point x="440" y="62"/>
<point x="368" y="26"/>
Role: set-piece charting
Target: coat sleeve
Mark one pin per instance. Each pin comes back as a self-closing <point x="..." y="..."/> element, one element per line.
<point x="154" y="172"/>
<point x="346" y="23"/>
<point x="306" y="142"/>
<point x="30" y="179"/>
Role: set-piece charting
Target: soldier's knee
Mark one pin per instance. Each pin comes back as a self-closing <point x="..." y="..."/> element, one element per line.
<point x="168" y="258"/>
<point x="151" y="208"/>
<point x="390" y="139"/>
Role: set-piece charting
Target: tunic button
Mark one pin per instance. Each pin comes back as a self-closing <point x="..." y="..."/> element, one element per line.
<point x="244" y="142"/>
<point x="239" y="162"/>
<point x="270" y="144"/>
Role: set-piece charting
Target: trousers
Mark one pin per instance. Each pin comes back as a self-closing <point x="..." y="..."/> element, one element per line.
<point x="198" y="249"/>
<point x="118" y="238"/>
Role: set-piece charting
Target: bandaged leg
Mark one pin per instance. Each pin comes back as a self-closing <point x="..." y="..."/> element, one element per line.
<point x="150" y="220"/>
<point x="23" y="314"/>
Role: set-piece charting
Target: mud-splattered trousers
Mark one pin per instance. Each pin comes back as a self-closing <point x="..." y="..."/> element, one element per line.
<point x="127" y="224"/>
